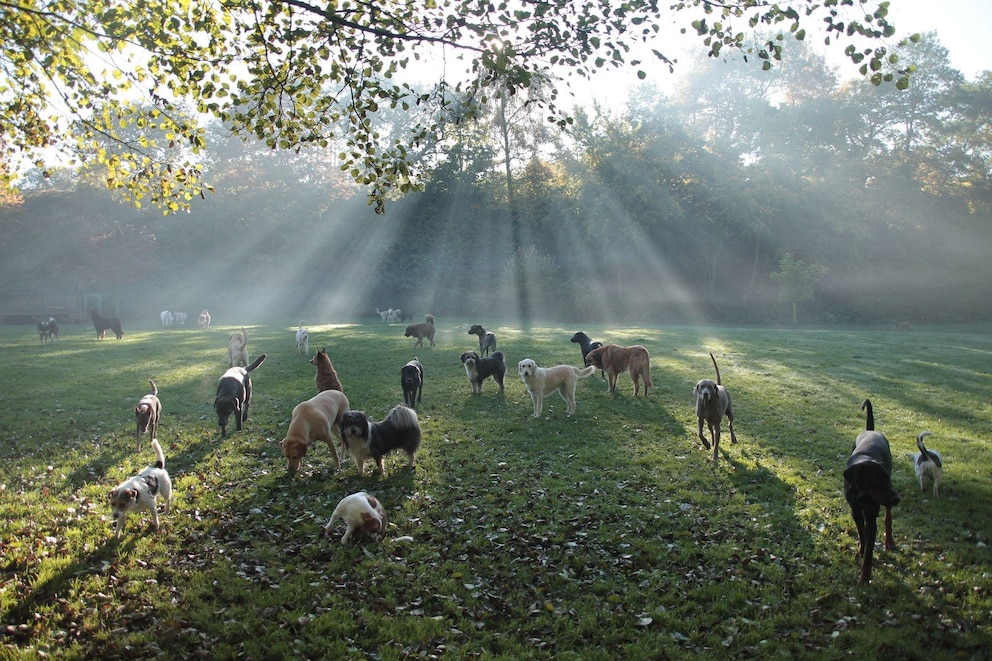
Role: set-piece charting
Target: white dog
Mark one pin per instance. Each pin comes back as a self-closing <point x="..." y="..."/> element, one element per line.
<point x="303" y="339"/>
<point x="928" y="462"/>
<point x="364" y="515"/>
<point x="237" y="352"/>
<point x="167" y="318"/>
<point x="139" y="492"/>
<point x="542" y="381"/>
<point x="181" y="318"/>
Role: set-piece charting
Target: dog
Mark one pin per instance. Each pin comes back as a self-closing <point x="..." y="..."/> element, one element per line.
<point x="928" y="462"/>
<point x="586" y="344"/>
<point x="48" y="331"/>
<point x="147" y="413"/>
<point x="234" y="395"/>
<point x="203" y="321"/>
<point x="412" y="382"/>
<point x="421" y="331"/>
<point x="326" y="377"/>
<point x="867" y="488"/>
<point x="364" y="515"/>
<point x="140" y="492"/>
<point x="615" y="359"/>
<point x="390" y="316"/>
<point x="237" y="352"/>
<point x="713" y="402"/>
<point x="181" y="318"/>
<point x="542" y="381"/>
<point x="316" y="419"/>
<point x="477" y="369"/>
<point x="167" y="318"/>
<point x="303" y="340"/>
<point x="399" y="430"/>
<point x="103" y="324"/>
<point x="487" y="339"/>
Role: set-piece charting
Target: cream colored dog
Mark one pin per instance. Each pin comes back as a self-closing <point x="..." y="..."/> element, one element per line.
<point x="317" y="419"/>
<point x="542" y="381"/>
<point x="237" y="352"/>
<point x="364" y="515"/>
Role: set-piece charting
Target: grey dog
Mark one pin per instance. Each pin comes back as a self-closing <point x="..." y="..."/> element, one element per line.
<point x="712" y="404"/>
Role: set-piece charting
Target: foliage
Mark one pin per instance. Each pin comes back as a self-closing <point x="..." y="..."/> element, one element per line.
<point x="299" y="75"/>
<point x="797" y="281"/>
<point x="513" y="537"/>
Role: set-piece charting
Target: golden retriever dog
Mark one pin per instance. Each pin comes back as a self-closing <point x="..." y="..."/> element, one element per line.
<point x="421" y="331"/>
<point x="237" y="353"/>
<point x="615" y="360"/>
<point x="542" y="381"/>
<point x="316" y="419"/>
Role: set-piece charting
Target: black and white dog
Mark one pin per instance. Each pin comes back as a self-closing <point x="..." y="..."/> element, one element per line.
<point x="487" y="339"/>
<point x="399" y="430"/>
<point x="479" y="369"/>
<point x="234" y="395"/>
<point x="412" y="381"/>
<point x="139" y="492"/>
<point x="928" y="462"/>
<point x="48" y="331"/>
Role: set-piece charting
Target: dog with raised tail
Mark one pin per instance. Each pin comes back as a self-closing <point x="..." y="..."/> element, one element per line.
<point x="422" y="331"/>
<point x="928" y="462"/>
<point x="364" y="439"/>
<point x="712" y="404"/>
<point x="303" y="339"/>
<point x="542" y="381"/>
<point x="140" y="492"/>
<point x="868" y="488"/>
<point x="234" y="395"/>
<point x="147" y="413"/>
<point x="364" y="514"/>
<point x="237" y="349"/>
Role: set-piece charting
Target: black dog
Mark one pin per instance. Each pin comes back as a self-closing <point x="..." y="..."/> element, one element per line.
<point x="478" y="369"/>
<point x="234" y="395"/>
<point x="48" y="331"/>
<point x="399" y="430"/>
<point x="868" y="487"/>
<point x="586" y="345"/>
<point x="412" y="380"/>
<point x="103" y="324"/>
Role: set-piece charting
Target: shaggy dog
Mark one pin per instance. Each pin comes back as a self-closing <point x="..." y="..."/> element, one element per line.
<point x="421" y="331"/>
<point x="147" y="413"/>
<point x="237" y="352"/>
<point x="139" y="492"/>
<point x="478" y="369"/>
<point x="615" y="360"/>
<point x="364" y="515"/>
<point x="203" y="321"/>
<point x="542" y="381"/>
<point x="412" y="382"/>
<point x="867" y="488"/>
<point x="712" y="404"/>
<point x="316" y="419"/>
<point x="167" y="318"/>
<point x="928" y="462"/>
<point x="487" y="339"/>
<point x="234" y="395"/>
<point x="103" y="324"/>
<point x="399" y="430"/>
<point x="48" y="331"/>
<point x="303" y="339"/>
<point x="326" y="377"/>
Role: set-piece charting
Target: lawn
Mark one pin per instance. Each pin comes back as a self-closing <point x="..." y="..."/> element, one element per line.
<point x="606" y="535"/>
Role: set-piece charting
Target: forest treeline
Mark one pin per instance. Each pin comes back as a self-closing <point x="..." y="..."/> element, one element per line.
<point x="678" y="208"/>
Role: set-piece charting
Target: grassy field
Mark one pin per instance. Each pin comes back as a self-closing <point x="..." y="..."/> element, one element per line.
<point x="606" y="535"/>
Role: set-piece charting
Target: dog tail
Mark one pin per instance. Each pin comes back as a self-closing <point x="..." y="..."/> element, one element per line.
<point x="154" y="387"/>
<point x="498" y="355"/>
<point x="870" y="421"/>
<point x="585" y="371"/>
<point x="159" y="455"/>
<point x="929" y="456"/>
<point x="403" y="417"/>
<point x="258" y="361"/>
<point x="244" y="335"/>
<point x="716" y="368"/>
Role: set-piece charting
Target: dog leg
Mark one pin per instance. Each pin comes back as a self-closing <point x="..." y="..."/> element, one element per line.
<point x="334" y="453"/>
<point x="890" y="544"/>
<point x="706" y="443"/>
<point x="715" y="431"/>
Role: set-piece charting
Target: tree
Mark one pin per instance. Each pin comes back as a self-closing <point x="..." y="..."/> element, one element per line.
<point x="298" y="74"/>
<point x="797" y="282"/>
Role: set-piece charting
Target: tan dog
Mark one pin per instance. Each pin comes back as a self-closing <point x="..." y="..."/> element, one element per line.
<point x="326" y="377"/>
<point x="364" y="514"/>
<point x="317" y="419"/>
<point x="615" y="360"/>
<point x="147" y="413"/>
<point x="421" y="331"/>
<point x="237" y="353"/>
<point x="542" y="381"/>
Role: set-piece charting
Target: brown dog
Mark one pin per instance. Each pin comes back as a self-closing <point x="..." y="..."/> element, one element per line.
<point x="147" y="412"/>
<point x="103" y="324"/>
<point x="317" y="419"/>
<point x="237" y="349"/>
<point x="326" y="377"/>
<point x="615" y="360"/>
<point x="421" y="331"/>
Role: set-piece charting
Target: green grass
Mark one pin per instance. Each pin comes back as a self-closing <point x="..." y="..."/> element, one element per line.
<point x="605" y="535"/>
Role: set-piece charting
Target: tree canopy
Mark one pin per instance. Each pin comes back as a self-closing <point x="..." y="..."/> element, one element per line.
<point x="128" y="85"/>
